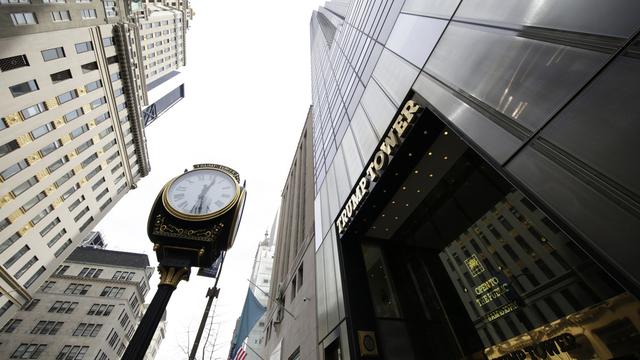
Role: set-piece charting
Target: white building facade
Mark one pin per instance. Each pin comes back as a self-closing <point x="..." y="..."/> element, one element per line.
<point x="88" y="309"/>
<point x="74" y="81"/>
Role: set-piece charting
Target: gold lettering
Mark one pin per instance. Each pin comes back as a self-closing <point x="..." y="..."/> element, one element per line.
<point x="371" y="173"/>
<point x="380" y="161"/>
<point x="410" y="108"/>
<point x="390" y="143"/>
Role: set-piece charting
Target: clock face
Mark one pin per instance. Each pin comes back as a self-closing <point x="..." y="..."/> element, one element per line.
<point x="201" y="192"/>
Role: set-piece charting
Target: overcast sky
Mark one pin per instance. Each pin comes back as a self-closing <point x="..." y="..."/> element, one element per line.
<point x="247" y="88"/>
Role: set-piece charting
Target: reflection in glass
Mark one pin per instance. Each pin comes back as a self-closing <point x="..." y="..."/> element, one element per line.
<point x="526" y="80"/>
<point x="380" y="286"/>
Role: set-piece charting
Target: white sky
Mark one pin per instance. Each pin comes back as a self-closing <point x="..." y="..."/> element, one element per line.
<point x="248" y="90"/>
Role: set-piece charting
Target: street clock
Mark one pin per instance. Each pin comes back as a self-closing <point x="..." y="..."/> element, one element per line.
<point x="196" y="216"/>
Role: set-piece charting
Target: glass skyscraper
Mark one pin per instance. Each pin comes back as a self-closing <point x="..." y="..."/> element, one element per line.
<point x="476" y="187"/>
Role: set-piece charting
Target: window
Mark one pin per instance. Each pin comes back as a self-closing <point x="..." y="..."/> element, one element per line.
<point x="108" y="146"/>
<point x="57" y="237"/>
<point x="47" y="286"/>
<point x="118" y="92"/>
<point x="68" y="96"/>
<point x="84" y="47"/>
<point x="93" y="172"/>
<point x="36" y="199"/>
<point x="105" y="132"/>
<point x="87" y="330"/>
<point x="11" y="325"/>
<point x="13" y="169"/>
<point x="63" y="307"/>
<point x="52" y="54"/>
<point x="114" y="292"/>
<point x="88" y="67"/>
<point x="86" y="224"/>
<point x="102" y="194"/>
<point x="13" y="62"/>
<point x="39" y="131"/>
<point x="23" y="88"/>
<point x="70" y="352"/>
<point x="62" y="248"/>
<point x="31" y="305"/>
<point x="84" y="146"/>
<point x="98" y="183"/>
<point x="60" y="76"/>
<point x="74" y="114"/>
<point x="41" y="215"/>
<point x="300" y="276"/>
<point x="81" y="214"/>
<point x="25" y="18"/>
<point x="100" y="310"/>
<point x="88" y="14"/>
<point x="102" y="118"/>
<point x="54" y="1"/>
<point x="8" y="147"/>
<point x="33" y="110"/>
<point x="76" y="203"/>
<point x="90" y="272"/>
<point x="98" y="102"/>
<point x="25" y="267"/>
<point x="47" y="327"/>
<point x="28" y="351"/>
<point x="115" y="76"/>
<point x="56" y="165"/>
<point x="77" y="289"/>
<point x="62" y="269"/>
<point x="79" y="131"/>
<point x="93" y="85"/>
<point x="64" y="178"/>
<point x="89" y="160"/>
<point x="7" y="264"/>
<point x="123" y="275"/>
<point x="62" y="15"/>
<point x="108" y="41"/>
<point x="50" y="226"/>
<point x="121" y="106"/>
<point x="112" y="59"/>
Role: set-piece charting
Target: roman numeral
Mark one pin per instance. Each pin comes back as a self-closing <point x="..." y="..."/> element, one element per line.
<point x="181" y="188"/>
<point x="225" y="195"/>
<point x="178" y="197"/>
<point x="183" y="205"/>
<point x="219" y="203"/>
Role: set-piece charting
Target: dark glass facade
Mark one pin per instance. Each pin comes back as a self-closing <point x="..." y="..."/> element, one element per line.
<point x="501" y="220"/>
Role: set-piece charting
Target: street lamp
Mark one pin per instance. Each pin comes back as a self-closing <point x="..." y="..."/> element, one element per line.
<point x="194" y="219"/>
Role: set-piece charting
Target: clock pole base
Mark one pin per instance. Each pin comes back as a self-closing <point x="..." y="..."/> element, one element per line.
<point x="169" y="278"/>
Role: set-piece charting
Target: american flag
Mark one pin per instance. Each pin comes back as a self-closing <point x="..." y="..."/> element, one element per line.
<point x="241" y="354"/>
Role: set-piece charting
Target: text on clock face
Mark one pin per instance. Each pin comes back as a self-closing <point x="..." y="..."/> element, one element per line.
<point x="201" y="192"/>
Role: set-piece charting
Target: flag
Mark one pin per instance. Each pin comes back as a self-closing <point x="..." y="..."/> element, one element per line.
<point x="251" y="313"/>
<point x="241" y="354"/>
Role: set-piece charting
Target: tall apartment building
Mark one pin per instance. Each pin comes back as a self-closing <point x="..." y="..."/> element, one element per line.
<point x="475" y="193"/>
<point x="292" y="287"/>
<point x="158" y="336"/>
<point x="88" y="309"/>
<point x="260" y="285"/>
<point x="71" y="128"/>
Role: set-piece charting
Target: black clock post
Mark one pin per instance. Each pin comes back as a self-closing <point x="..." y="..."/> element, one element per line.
<point x="194" y="219"/>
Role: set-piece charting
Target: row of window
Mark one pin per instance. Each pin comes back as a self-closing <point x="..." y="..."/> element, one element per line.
<point x="19" y="61"/>
<point x="30" y="18"/>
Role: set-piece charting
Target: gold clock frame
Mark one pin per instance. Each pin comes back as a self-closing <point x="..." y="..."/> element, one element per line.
<point x="190" y="217"/>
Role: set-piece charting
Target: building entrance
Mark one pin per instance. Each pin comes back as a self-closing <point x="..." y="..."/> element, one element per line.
<point x="459" y="264"/>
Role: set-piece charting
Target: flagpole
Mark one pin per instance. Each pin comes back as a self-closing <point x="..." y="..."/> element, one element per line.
<point x="272" y="299"/>
<point x="255" y="352"/>
<point x="211" y="294"/>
